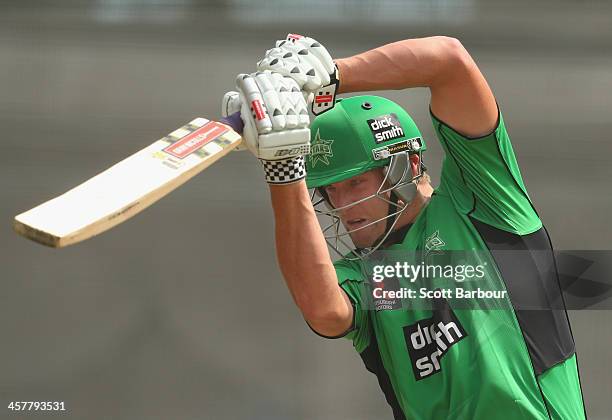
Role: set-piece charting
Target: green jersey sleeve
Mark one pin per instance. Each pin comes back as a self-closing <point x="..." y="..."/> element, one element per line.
<point x="351" y="281"/>
<point x="483" y="179"/>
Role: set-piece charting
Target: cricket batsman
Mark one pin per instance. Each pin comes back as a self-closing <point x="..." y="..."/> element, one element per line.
<point x="363" y="159"/>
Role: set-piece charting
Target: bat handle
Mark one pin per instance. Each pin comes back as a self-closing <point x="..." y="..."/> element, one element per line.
<point x="234" y="121"/>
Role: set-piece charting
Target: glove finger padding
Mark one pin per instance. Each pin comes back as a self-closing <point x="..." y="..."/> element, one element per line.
<point x="276" y="122"/>
<point x="315" y="58"/>
<point x="253" y="96"/>
<point x="303" y="59"/>
<point x="299" y="64"/>
<point x="271" y="100"/>
<point x="319" y="51"/>
<point x="286" y="63"/>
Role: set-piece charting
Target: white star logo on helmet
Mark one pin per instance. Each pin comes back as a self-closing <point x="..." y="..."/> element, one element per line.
<point x="320" y="150"/>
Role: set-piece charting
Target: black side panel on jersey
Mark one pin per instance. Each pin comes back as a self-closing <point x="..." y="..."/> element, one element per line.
<point x="373" y="363"/>
<point x="532" y="281"/>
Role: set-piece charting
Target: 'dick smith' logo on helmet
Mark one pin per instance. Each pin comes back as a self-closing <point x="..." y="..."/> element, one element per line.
<point x="430" y="339"/>
<point x="386" y="127"/>
<point x="320" y="150"/>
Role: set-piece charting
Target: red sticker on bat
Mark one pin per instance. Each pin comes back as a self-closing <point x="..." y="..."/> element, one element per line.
<point x="260" y="114"/>
<point x="196" y="140"/>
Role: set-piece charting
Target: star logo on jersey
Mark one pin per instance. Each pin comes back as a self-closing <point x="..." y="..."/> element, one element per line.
<point x="320" y="150"/>
<point x="433" y="245"/>
<point x="434" y="242"/>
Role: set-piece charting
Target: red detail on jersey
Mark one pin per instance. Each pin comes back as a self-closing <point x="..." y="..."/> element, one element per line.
<point x="294" y="37"/>
<point x="196" y="140"/>
<point x="322" y="99"/>
<point x="260" y="114"/>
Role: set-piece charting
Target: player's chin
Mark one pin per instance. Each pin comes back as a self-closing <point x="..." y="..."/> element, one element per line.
<point x="364" y="238"/>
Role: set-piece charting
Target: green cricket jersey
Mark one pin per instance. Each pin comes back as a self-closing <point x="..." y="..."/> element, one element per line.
<point x="442" y="362"/>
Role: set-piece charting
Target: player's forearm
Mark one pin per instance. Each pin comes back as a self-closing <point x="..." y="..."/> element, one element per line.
<point x="305" y="262"/>
<point x="422" y="62"/>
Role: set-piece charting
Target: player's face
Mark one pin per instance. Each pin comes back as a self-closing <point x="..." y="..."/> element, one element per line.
<point x="353" y="189"/>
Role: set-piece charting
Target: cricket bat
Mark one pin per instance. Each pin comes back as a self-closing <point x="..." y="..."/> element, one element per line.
<point x="131" y="185"/>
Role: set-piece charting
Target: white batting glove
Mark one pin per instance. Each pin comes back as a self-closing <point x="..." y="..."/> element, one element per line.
<point x="308" y="63"/>
<point x="276" y="123"/>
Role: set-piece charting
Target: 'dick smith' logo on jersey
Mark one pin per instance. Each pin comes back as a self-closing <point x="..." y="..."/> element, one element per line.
<point x="430" y="339"/>
<point x="386" y="127"/>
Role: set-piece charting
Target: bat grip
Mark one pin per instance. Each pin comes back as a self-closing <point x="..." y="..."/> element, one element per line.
<point x="234" y="121"/>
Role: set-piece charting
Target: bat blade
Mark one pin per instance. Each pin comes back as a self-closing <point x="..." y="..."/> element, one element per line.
<point x="129" y="186"/>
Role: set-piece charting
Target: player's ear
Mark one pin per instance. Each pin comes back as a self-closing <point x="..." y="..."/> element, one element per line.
<point x="415" y="164"/>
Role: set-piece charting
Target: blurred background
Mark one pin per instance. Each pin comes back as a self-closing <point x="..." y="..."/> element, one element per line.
<point x="181" y="312"/>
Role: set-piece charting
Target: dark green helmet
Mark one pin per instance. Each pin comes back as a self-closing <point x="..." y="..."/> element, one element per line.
<point x="359" y="134"/>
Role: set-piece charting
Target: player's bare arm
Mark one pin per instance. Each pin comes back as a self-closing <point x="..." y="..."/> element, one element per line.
<point x="305" y="262"/>
<point x="460" y="95"/>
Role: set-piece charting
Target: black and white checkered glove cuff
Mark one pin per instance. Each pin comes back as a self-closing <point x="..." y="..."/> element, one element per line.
<point x="285" y="171"/>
